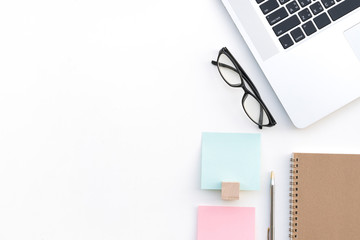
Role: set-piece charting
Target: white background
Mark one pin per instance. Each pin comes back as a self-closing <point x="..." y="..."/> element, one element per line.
<point x="102" y="105"/>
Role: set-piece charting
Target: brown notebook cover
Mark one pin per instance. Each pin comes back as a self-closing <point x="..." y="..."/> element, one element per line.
<point x="325" y="196"/>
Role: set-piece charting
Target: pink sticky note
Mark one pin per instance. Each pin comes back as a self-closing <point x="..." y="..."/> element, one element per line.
<point x="230" y="223"/>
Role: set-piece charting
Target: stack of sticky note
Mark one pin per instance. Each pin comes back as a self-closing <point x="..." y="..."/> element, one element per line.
<point x="226" y="223"/>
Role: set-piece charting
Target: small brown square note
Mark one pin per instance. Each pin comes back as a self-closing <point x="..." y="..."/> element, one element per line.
<point x="230" y="190"/>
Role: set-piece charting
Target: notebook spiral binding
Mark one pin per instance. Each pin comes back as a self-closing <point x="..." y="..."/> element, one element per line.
<point x="294" y="187"/>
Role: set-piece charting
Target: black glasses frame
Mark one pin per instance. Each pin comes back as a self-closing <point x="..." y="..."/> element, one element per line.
<point x="244" y="77"/>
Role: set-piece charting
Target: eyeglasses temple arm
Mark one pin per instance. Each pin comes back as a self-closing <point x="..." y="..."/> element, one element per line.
<point x="223" y="65"/>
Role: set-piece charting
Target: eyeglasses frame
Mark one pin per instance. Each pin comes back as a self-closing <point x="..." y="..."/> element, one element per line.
<point x="244" y="77"/>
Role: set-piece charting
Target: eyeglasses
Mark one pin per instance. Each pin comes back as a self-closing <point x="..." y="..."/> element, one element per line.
<point x="235" y="76"/>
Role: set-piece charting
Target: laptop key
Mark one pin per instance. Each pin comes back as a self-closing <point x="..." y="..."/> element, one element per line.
<point x="283" y="1"/>
<point x="343" y="8"/>
<point x="304" y="3"/>
<point x="269" y="6"/>
<point x="328" y="3"/>
<point x="292" y="7"/>
<point x="297" y="34"/>
<point x="259" y="1"/>
<point x="309" y="28"/>
<point x="316" y="8"/>
<point x="286" y="41"/>
<point x="304" y="14"/>
<point x="322" y="21"/>
<point x="286" y="25"/>
<point x="277" y="16"/>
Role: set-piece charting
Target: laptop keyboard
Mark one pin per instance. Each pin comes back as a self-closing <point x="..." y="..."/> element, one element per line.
<point x="294" y="20"/>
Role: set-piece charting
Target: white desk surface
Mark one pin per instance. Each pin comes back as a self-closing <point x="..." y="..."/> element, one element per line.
<point x="102" y="107"/>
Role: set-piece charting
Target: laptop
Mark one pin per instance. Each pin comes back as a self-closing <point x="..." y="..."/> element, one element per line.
<point x="309" y="50"/>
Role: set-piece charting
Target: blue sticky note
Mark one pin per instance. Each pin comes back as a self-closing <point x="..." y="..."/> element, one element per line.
<point x="230" y="157"/>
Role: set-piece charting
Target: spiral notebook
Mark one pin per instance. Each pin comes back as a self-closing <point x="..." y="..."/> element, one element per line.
<point x="325" y="196"/>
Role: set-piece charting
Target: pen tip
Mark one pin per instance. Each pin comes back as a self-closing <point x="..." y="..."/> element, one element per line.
<point x="272" y="174"/>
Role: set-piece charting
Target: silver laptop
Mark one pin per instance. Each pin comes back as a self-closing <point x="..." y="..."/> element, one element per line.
<point x="309" y="51"/>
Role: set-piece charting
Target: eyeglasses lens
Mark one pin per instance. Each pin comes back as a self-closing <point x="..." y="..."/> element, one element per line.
<point x="254" y="110"/>
<point x="228" y="70"/>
